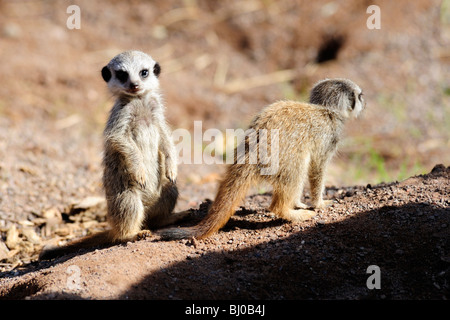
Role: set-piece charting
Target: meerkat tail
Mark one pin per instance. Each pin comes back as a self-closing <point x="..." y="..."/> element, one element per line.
<point x="231" y="192"/>
<point x="95" y="240"/>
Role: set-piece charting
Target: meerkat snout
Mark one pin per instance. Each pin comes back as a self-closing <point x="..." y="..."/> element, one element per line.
<point x="134" y="87"/>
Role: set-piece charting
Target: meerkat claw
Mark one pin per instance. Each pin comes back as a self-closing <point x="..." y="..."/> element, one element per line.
<point x="143" y="234"/>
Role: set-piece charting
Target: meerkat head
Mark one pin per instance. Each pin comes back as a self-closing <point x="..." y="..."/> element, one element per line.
<point x="340" y="94"/>
<point x="132" y="73"/>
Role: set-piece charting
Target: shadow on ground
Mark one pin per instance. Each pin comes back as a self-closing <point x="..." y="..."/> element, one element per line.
<point x="325" y="262"/>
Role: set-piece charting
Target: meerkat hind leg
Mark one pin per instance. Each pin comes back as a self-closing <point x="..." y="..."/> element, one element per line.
<point x="316" y="181"/>
<point x="283" y="201"/>
<point x="302" y="169"/>
<point x="126" y="215"/>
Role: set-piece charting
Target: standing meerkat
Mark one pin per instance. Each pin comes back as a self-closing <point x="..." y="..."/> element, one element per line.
<point x="140" y="160"/>
<point x="308" y="137"/>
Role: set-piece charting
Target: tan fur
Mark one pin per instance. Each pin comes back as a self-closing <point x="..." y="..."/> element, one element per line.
<point x="140" y="165"/>
<point x="308" y="137"/>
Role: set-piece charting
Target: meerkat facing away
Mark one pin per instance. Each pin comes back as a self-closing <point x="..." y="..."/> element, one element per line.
<point x="140" y="161"/>
<point x="308" y="136"/>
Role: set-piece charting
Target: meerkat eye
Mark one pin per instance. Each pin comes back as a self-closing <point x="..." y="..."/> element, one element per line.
<point x="144" y="73"/>
<point x="122" y="76"/>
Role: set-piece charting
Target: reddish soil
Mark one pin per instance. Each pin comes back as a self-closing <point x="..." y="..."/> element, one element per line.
<point x="403" y="228"/>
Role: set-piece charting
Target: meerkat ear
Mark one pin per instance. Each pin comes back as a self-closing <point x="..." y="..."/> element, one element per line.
<point x="106" y="73"/>
<point x="157" y="69"/>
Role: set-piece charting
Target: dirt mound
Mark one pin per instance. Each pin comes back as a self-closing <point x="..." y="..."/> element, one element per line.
<point x="403" y="228"/>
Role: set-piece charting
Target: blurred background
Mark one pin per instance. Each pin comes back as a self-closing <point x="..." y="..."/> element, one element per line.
<point x="222" y="61"/>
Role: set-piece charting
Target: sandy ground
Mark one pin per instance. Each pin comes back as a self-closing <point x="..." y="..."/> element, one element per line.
<point x="401" y="228"/>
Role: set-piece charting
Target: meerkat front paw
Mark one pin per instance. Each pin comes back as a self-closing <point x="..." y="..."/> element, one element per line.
<point x="171" y="171"/>
<point x="140" y="177"/>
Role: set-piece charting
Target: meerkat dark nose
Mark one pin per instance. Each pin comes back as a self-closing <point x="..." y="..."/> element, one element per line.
<point x="134" y="86"/>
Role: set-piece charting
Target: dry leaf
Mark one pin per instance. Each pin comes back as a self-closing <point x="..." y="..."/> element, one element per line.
<point x="12" y="253"/>
<point x="51" y="213"/>
<point x="31" y="235"/>
<point x="26" y="223"/>
<point x="39" y="221"/>
<point x="12" y="237"/>
<point x="4" y="251"/>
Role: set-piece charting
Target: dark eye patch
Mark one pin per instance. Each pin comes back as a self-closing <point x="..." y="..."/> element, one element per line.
<point x="353" y="100"/>
<point x="122" y="75"/>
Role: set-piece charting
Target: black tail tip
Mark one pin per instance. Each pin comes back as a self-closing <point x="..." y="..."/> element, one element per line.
<point x="50" y="253"/>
